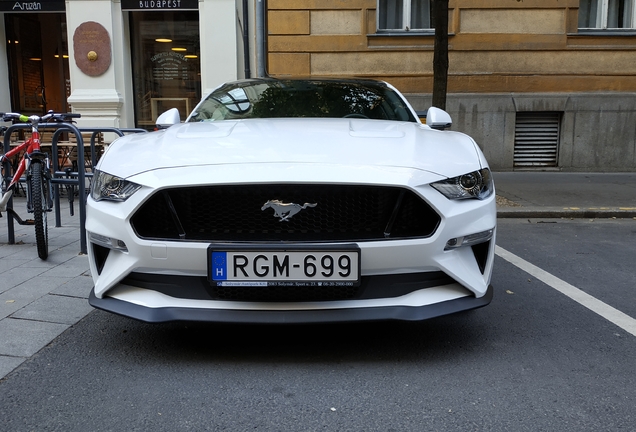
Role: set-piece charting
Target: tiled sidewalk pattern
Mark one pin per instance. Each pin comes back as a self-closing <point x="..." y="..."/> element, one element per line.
<point x="39" y="299"/>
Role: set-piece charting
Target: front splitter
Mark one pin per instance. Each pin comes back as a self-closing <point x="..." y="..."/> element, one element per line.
<point x="399" y="313"/>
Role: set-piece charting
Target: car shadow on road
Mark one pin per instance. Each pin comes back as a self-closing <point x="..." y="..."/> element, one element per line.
<point x="435" y="339"/>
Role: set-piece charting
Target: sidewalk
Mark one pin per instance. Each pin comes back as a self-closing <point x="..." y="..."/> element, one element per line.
<point x="40" y="299"/>
<point x="570" y="195"/>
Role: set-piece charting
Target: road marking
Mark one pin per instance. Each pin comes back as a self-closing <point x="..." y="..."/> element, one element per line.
<point x="611" y="314"/>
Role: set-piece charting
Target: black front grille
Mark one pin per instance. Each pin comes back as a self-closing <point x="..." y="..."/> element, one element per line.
<point x="234" y="213"/>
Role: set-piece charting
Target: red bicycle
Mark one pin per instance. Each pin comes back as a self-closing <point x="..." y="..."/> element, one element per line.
<point x="36" y="165"/>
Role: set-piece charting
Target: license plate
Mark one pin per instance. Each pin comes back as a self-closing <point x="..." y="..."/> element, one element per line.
<point x="284" y="266"/>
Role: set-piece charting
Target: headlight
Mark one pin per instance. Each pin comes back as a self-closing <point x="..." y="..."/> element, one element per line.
<point x="477" y="184"/>
<point x="112" y="188"/>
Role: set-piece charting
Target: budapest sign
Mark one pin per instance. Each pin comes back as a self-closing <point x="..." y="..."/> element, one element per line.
<point x="159" y="4"/>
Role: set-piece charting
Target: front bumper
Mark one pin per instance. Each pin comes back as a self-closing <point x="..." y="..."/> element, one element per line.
<point x="400" y="312"/>
<point x="469" y="270"/>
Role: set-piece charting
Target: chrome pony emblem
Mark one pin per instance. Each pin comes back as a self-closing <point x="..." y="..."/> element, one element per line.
<point x="285" y="211"/>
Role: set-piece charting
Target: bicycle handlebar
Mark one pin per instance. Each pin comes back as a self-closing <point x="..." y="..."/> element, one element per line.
<point x="57" y="117"/>
<point x="14" y="116"/>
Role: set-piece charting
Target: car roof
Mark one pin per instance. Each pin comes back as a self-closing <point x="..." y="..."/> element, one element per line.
<point x="313" y="79"/>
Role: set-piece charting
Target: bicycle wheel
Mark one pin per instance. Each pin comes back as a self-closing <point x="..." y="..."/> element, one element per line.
<point x="39" y="197"/>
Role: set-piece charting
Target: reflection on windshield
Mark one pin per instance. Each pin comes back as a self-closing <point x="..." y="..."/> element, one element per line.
<point x="302" y="98"/>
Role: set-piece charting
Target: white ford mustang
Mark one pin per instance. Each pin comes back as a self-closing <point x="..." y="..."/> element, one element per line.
<point x="292" y="200"/>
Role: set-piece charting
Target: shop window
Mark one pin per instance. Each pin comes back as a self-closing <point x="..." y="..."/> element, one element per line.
<point x="166" y="63"/>
<point x="405" y="15"/>
<point x="607" y="14"/>
<point x="38" y="66"/>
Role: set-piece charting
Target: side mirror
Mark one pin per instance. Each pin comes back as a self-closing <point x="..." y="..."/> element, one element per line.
<point x="438" y="119"/>
<point x="168" y="118"/>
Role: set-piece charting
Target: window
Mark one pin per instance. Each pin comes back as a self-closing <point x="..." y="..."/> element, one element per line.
<point x="165" y="60"/>
<point x="607" y="14"/>
<point x="302" y="98"/>
<point x="405" y="15"/>
<point x="37" y="62"/>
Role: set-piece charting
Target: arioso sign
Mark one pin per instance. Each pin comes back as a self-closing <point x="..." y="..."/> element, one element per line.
<point x="32" y="6"/>
<point x="59" y="5"/>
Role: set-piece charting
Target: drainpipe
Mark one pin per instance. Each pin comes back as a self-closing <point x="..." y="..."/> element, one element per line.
<point x="260" y="37"/>
<point x="246" y="41"/>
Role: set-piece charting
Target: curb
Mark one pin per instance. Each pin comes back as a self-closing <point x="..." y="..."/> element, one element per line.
<point x="568" y="212"/>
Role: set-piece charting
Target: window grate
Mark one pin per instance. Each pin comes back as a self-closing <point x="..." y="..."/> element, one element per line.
<point x="536" y="139"/>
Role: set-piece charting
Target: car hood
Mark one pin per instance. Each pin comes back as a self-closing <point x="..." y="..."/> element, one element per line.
<point x="355" y="142"/>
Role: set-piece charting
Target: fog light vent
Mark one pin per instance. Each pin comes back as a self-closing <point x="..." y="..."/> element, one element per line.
<point x="469" y="240"/>
<point x="107" y="242"/>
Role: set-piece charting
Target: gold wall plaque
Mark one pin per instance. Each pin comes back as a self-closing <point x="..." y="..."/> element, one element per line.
<point x="91" y="47"/>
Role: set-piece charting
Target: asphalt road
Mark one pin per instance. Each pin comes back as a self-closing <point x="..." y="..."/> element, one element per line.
<point x="535" y="359"/>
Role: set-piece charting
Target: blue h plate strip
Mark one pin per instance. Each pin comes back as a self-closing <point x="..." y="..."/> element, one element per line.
<point x="219" y="265"/>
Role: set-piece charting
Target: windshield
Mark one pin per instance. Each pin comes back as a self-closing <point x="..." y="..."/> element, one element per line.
<point x="302" y="98"/>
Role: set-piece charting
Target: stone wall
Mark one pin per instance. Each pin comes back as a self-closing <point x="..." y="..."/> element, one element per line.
<point x="505" y="57"/>
<point x="597" y="130"/>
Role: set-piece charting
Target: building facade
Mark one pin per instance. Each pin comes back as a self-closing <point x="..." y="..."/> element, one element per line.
<point x="540" y="84"/>
<point x="119" y="63"/>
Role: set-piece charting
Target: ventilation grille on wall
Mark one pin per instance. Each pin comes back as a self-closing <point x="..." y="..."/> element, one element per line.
<point x="536" y="139"/>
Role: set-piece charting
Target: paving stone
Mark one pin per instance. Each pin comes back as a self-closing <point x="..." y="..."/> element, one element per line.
<point x="55" y="309"/>
<point x="73" y="267"/>
<point x="23" y="338"/>
<point x="8" y="363"/>
<point x="79" y="286"/>
<point x="18" y="276"/>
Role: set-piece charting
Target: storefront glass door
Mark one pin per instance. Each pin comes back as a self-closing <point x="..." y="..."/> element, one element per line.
<point x="165" y="60"/>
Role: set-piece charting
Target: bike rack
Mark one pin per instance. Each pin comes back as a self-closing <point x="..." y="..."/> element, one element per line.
<point x="74" y="178"/>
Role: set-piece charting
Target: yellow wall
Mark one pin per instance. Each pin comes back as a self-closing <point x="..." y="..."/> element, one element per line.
<point x="494" y="46"/>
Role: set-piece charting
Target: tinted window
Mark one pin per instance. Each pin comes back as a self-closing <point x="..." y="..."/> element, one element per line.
<point x="296" y="98"/>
